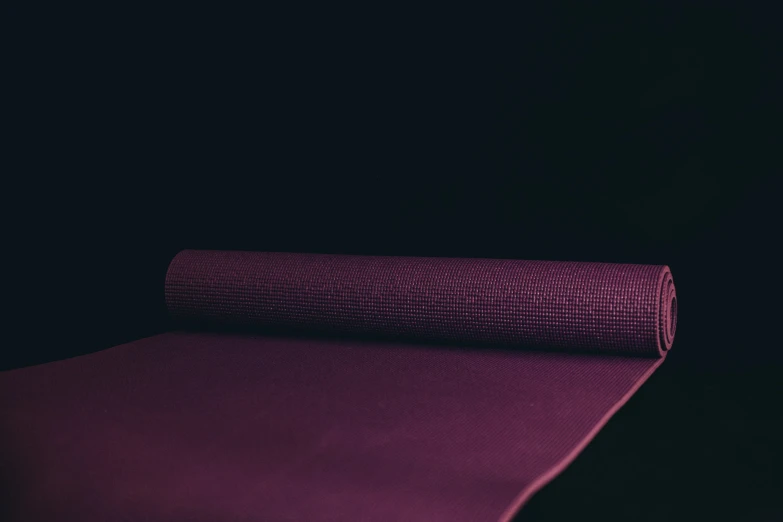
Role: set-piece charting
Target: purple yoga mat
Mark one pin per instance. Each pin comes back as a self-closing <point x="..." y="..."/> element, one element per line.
<point x="445" y="389"/>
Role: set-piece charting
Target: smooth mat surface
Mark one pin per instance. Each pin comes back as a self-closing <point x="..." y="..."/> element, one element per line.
<point x="213" y="426"/>
<point x="206" y="427"/>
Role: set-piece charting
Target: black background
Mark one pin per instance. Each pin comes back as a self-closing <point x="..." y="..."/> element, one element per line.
<point x="642" y="134"/>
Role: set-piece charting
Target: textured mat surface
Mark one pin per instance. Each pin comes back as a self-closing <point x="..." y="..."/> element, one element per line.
<point x="240" y="426"/>
<point x="613" y="308"/>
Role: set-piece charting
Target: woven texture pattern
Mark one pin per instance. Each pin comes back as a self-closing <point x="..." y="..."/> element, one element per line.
<point x="613" y="308"/>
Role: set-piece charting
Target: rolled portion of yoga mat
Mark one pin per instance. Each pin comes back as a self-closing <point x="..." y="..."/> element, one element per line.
<point x="610" y="308"/>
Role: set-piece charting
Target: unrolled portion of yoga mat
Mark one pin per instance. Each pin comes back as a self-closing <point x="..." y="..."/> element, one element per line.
<point x="235" y="427"/>
<point x="259" y="426"/>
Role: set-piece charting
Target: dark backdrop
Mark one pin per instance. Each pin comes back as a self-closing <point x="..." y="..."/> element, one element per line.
<point x="622" y="134"/>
